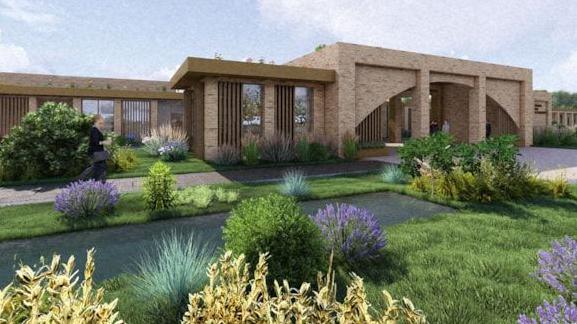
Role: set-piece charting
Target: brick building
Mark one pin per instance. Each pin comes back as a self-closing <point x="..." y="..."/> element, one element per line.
<point x="381" y="95"/>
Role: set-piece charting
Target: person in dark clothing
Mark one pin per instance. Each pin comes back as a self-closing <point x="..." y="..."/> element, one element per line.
<point x="96" y="142"/>
<point x="487" y="130"/>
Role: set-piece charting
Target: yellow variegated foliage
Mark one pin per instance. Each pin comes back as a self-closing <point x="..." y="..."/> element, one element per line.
<point x="53" y="294"/>
<point x="231" y="296"/>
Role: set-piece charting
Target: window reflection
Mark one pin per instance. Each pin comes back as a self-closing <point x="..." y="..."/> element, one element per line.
<point x="252" y="109"/>
<point x="302" y="110"/>
<point x="102" y="107"/>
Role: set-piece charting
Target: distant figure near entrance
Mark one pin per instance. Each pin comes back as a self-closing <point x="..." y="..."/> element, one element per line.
<point x="96" y="142"/>
<point x="446" y="127"/>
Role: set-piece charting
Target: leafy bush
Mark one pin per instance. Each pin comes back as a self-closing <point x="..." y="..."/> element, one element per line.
<point x="277" y="149"/>
<point x="159" y="187"/>
<point x="500" y="151"/>
<point x="165" y="277"/>
<point x="295" y="184"/>
<point x="124" y="159"/>
<point x="173" y="152"/>
<point x="319" y="151"/>
<point x="233" y="296"/>
<point x="560" y="311"/>
<point x="54" y="293"/>
<point x="50" y="142"/>
<point x="555" y="136"/>
<point x="227" y="155"/>
<point x="87" y="199"/>
<point x="152" y="145"/>
<point x="276" y="224"/>
<point x="353" y="234"/>
<point x="227" y="196"/>
<point x="200" y="196"/>
<point x="393" y="174"/>
<point x="303" y="149"/>
<point x="438" y="150"/>
<point x="350" y="146"/>
<point x="250" y="150"/>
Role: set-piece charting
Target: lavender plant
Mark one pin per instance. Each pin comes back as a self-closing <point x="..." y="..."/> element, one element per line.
<point x="173" y="152"/>
<point x="558" y="312"/>
<point x="87" y="199"/>
<point x="558" y="268"/>
<point x="352" y="233"/>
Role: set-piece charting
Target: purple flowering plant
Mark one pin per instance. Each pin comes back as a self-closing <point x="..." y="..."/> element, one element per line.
<point x="558" y="312"/>
<point x="173" y="151"/>
<point x="558" y="268"/>
<point x="85" y="199"/>
<point x="352" y="233"/>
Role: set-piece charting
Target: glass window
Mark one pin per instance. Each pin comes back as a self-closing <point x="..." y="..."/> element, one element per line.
<point x="303" y="110"/>
<point x="251" y="109"/>
<point x="102" y="107"/>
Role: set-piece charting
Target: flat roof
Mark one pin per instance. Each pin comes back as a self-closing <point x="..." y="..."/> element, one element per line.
<point x="195" y="68"/>
<point x="88" y="92"/>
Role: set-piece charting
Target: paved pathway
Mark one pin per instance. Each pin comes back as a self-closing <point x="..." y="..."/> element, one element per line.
<point x="45" y="193"/>
<point x="117" y="248"/>
<point x="548" y="162"/>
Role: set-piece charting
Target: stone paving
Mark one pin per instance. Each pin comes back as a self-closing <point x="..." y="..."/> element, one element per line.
<point x="20" y="195"/>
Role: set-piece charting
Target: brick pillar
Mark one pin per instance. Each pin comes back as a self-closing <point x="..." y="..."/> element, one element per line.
<point x="269" y="109"/>
<point x="77" y="103"/>
<point x="118" y="116"/>
<point x="318" y="110"/>
<point x="421" y="104"/>
<point x="526" y="111"/>
<point x="478" y="110"/>
<point x="210" y="118"/>
<point x="32" y="104"/>
<point x="396" y="112"/>
<point x="153" y="114"/>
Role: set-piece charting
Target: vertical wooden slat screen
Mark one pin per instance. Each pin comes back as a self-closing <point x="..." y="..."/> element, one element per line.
<point x="229" y="113"/>
<point x="12" y="110"/>
<point x="284" y="116"/>
<point x="371" y="129"/>
<point x="135" y="118"/>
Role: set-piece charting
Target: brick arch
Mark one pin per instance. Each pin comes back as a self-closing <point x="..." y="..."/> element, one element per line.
<point x="501" y="121"/>
<point x="507" y="94"/>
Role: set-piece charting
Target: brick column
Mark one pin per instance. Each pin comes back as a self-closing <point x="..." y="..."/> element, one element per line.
<point x="269" y="109"/>
<point x="396" y="112"/>
<point x="210" y="118"/>
<point x="478" y="110"/>
<point x="77" y="104"/>
<point x="118" y="116"/>
<point x="32" y="104"/>
<point x="153" y="114"/>
<point x="318" y="111"/>
<point x="526" y="111"/>
<point x="422" y="107"/>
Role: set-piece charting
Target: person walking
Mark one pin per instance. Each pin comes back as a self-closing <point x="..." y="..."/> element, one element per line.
<point x="446" y="127"/>
<point x="96" y="142"/>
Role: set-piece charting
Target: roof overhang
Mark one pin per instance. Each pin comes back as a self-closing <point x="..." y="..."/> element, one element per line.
<point x="88" y="92"/>
<point x="195" y="68"/>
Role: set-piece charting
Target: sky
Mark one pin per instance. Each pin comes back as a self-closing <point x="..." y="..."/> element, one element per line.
<point x="150" y="39"/>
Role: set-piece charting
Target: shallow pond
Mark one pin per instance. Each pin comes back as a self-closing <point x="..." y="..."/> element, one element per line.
<point x="118" y="248"/>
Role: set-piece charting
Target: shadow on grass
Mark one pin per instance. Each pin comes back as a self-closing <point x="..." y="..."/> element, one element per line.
<point x="523" y="209"/>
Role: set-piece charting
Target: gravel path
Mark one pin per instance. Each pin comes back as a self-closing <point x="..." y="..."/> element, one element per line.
<point x="45" y="193"/>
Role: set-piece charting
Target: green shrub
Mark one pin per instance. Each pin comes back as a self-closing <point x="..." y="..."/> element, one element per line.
<point x="393" y="174"/>
<point x="227" y="196"/>
<point x="276" y="224"/>
<point x="558" y="187"/>
<point x="124" y="159"/>
<point x="295" y="184"/>
<point x="250" y="150"/>
<point x="319" y="151"/>
<point x="159" y="187"/>
<point x="438" y="149"/>
<point x="50" y="142"/>
<point x="165" y="277"/>
<point x="303" y="149"/>
<point x="556" y="136"/>
<point x="350" y="146"/>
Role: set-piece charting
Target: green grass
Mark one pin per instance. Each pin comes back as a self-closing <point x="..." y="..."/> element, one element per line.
<point x="27" y="221"/>
<point x="145" y="161"/>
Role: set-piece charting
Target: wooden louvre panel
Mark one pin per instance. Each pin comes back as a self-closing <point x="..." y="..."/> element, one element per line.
<point x="135" y="118"/>
<point x="284" y="114"/>
<point x="505" y="124"/>
<point x="229" y="113"/>
<point x="12" y="110"/>
<point x="370" y="130"/>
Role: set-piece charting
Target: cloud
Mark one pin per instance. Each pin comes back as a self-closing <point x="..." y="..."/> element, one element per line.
<point x="14" y="58"/>
<point x="437" y="27"/>
<point x="565" y="73"/>
<point x="163" y="74"/>
<point x="26" y="11"/>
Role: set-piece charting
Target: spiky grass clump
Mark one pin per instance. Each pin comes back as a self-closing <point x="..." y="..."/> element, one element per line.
<point x="166" y="277"/>
<point x="394" y="174"/>
<point x="227" y="155"/>
<point x="295" y="184"/>
<point x="227" y="196"/>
